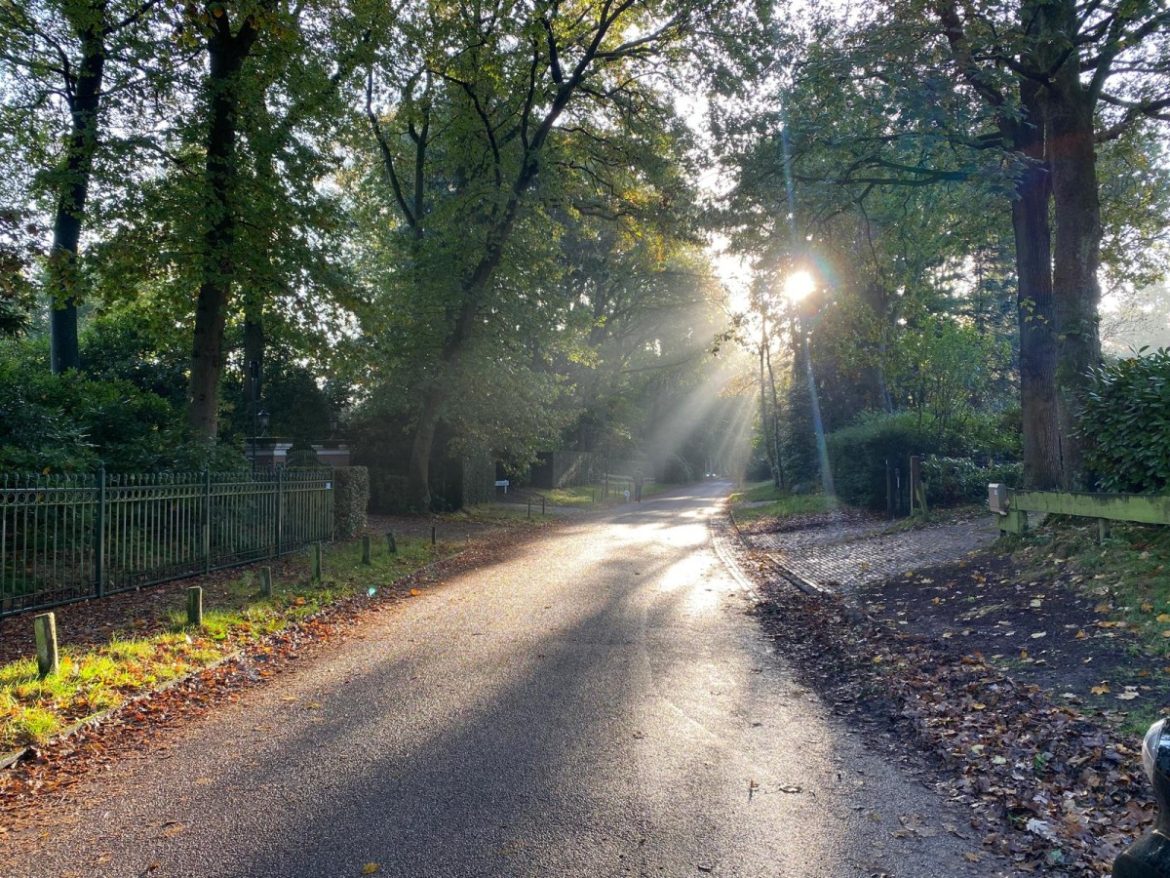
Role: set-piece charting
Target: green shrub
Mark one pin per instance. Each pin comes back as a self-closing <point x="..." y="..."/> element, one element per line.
<point x="951" y="481"/>
<point x="75" y="423"/>
<point x="858" y="454"/>
<point x="1126" y="424"/>
<point x="351" y="499"/>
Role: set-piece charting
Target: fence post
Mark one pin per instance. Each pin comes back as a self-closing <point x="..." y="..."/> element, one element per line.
<point x="207" y="521"/>
<point x="195" y="606"/>
<point x="266" y="582"/>
<point x="917" y="493"/>
<point x="279" y="508"/>
<point x="45" y="629"/>
<point x="99" y="536"/>
<point x="365" y="548"/>
<point x="316" y="562"/>
<point x="542" y="504"/>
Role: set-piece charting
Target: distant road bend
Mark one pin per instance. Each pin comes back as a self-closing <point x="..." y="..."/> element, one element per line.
<point x="598" y="705"/>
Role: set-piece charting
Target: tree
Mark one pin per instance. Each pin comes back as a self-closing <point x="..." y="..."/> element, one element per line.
<point x="992" y="99"/>
<point x="71" y="58"/>
<point x="469" y="107"/>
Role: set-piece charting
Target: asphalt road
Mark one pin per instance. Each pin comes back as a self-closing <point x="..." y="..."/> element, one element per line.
<point x="598" y="705"/>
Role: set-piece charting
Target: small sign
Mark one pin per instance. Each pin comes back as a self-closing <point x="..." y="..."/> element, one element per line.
<point x="329" y="486"/>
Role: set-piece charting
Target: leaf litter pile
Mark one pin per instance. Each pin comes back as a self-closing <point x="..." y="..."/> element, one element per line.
<point x="1051" y="786"/>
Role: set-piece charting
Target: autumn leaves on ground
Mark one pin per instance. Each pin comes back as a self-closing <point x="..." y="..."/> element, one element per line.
<point x="1025" y="674"/>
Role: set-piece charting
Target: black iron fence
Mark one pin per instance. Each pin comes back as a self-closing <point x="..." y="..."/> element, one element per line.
<point x="69" y="538"/>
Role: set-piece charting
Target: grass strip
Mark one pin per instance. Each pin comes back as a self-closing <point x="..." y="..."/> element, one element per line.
<point x="765" y="500"/>
<point x="95" y="680"/>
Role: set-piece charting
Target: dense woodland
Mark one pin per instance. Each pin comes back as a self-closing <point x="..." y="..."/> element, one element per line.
<point x="441" y="229"/>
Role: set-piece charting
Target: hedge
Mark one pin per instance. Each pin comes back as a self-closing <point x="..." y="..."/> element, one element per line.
<point x="1125" y="422"/>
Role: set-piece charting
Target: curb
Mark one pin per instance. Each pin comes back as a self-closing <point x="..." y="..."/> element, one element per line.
<point x="803" y="583"/>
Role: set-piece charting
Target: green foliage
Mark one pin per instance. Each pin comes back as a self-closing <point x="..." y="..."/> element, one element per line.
<point x="1126" y="423"/>
<point x="74" y="422"/>
<point x="351" y="499"/>
<point x="952" y="481"/>
<point x="858" y="454"/>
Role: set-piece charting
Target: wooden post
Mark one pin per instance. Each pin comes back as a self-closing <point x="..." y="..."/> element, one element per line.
<point x="917" y="491"/>
<point x="391" y="546"/>
<point x="266" y="582"/>
<point x="1102" y="530"/>
<point x="315" y="559"/>
<point x="195" y="606"/>
<point x="432" y="535"/>
<point x="542" y="504"/>
<point x="45" y="630"/>
<point x="365" y="548"/>
<point x="530" y="508"/>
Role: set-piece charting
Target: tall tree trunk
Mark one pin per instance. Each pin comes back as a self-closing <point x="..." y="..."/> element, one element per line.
<point x="254" y="352"/>
<point x="1076" y="247"/>
<point x="226" y="55"/>
<point x="780" y="480"/>
<point x="418" y="475"/>
<point x="1043" y="440"/>
<point x="73" y="192"/>
<point x="765" y="432"/>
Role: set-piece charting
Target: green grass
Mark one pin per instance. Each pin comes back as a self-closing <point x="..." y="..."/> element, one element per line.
<point x="94" y="680"/>
<point x="503" y="514"/>
<point x="1128" y="576"/>
<point x="777" y="503"/>
<point x="591" y="495"/>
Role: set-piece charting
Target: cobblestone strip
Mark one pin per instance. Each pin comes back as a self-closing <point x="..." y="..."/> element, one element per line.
<point x="845" y="557"/>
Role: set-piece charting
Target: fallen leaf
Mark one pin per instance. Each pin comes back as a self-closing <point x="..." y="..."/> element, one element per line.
<point x="371" y="868"/>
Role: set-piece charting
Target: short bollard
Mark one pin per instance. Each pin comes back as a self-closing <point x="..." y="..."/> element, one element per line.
<point x="1149" y="856"/>
<point x="365" y="549"/>
<point x="391" y="545"/>
<point x="530" y="509"/>
<point x="432" y="535"/>
<point x="45" y="630"/>
<point x="542" y="504"/>
<point x="316" y="561"/>
<point x="195" y="606"/>
<point x="265" y="582"/>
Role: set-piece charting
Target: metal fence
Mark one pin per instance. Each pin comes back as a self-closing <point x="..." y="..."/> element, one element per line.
<point x="69" y="538"/>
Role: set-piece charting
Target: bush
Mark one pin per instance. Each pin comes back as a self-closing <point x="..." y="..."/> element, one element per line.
<point x="1126" y="425"/>
<point x="351" y="499"/>
<point x="76" y="423"/>
<point x="951" y="481"/>
<point x="858" y="454"/>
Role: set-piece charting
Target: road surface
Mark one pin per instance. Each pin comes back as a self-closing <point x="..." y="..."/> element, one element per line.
<point x="598" y="705"/>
